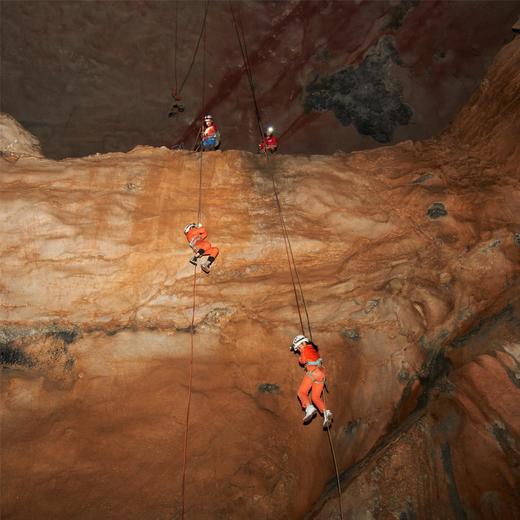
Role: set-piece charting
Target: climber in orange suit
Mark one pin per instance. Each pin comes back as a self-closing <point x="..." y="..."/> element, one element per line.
<point x="313" y="381"/>
<point x="196" y="236"/>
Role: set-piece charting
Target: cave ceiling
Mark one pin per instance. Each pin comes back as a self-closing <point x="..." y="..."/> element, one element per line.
<point x="97" y="76"/>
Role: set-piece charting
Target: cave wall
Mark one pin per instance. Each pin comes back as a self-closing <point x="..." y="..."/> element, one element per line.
<point x="410" y="260"/>
<point x="89" y="77"/>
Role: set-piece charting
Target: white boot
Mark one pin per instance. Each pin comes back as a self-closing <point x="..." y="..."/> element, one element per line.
<point x="327" y="418"/>
<point x="206" y="267"/>
<point x="310" y="412"/>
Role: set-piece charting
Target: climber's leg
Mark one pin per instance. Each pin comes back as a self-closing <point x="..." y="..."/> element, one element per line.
<point x="212" y="253"/>
<point x="317" y="388"/>
<point x="198" y="254"/>
<point x="207" y="266"/>
<point x="202" y="247"/>
<point x="303" y="392"/>
<point x="327" y="418"/>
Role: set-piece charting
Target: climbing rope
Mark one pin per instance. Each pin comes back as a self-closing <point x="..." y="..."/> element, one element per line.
<point x="333" y="451"/>
<point x="178" y="90"/>
<point x="194" y="292"/>
<point x="195" y="52"/>
<point x="295" y="278"/>
<point x="175" y="46"/>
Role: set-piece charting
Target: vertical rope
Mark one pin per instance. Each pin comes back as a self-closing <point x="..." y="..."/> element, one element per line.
<point x="196" y="50"/>
<point x="288" y="248"/>
<point x="295" y="278"/>
<point x="194" y="295"/>
<point x="337" y="473"/>
<point x="176" y="46"/>
<point x="338" y="483"/>
<point x="188" y="405"/>
<point x="199" y="211"/>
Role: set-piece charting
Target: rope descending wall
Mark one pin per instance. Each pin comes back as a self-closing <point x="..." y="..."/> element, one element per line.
<point x="295" y="278"/>
<point x="194" y="293"/>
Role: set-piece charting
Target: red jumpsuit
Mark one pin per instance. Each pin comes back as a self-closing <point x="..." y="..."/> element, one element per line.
<point x="210" y="131"/>
<point x="210" y="137"/>
<point x="314" y="378"/>
<point x="270" y="143"/>
<point x="197" y="239"/>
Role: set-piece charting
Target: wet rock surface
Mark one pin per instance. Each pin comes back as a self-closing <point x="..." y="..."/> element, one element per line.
<point x="417" y="321"/>
<point x="364" y="95"/>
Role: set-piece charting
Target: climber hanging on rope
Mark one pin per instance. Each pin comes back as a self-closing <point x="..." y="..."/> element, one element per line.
<point x="269" y="142"/>
<point x="196" y="235"/>
<point x="314" y="378"/>
<point x="210" y="135"/>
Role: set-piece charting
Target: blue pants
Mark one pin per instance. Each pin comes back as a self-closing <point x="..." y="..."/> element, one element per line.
<point x="209" y="143"/>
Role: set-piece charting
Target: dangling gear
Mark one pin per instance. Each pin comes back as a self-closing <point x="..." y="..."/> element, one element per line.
<point x="310" y="412"/>
<point x="298" y="341"/>
<point x="206" y="267"/>
<point x="327" y="418"/>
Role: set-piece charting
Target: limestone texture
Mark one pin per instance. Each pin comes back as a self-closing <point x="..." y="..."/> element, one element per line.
<point x="418" y="321"/>
<point x="16" y="141"/>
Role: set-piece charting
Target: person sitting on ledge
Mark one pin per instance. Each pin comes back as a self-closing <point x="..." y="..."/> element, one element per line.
<point x="210" y="135"/>
<point x="269" y="142"/>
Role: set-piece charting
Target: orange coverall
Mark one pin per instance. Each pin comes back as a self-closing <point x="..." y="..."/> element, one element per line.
<point x="197" y="239"/>
<point x="314" y="378"/>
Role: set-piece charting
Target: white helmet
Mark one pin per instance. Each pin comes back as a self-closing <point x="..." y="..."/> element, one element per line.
<point x="269" y="130"/>
<point x="298" y="341"/>
<point x="190" y="226"/>
<point x="208" y="117"/>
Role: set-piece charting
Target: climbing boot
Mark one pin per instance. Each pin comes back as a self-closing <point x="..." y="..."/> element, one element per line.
<point x="327" y="418"/>
<point x="310" y="412"/>
<point x="193" y="259"/>
<point x="206" y="267"/>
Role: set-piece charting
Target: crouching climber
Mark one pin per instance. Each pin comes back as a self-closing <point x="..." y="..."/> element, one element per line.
<point x="210" y="135"/>
<point x="314" y="379"/>
<point x="196" y="235"/>
<point x="269" y="142"/>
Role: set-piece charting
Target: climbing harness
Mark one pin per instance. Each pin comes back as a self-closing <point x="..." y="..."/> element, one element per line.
<point x="310" y="375"/>
<point x="194" y="241"/>
<point x="295" y="278"/>
<point x="192" y="327"/>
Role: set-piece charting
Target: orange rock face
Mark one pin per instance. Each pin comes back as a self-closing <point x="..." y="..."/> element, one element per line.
<point x="409" y="258"/>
